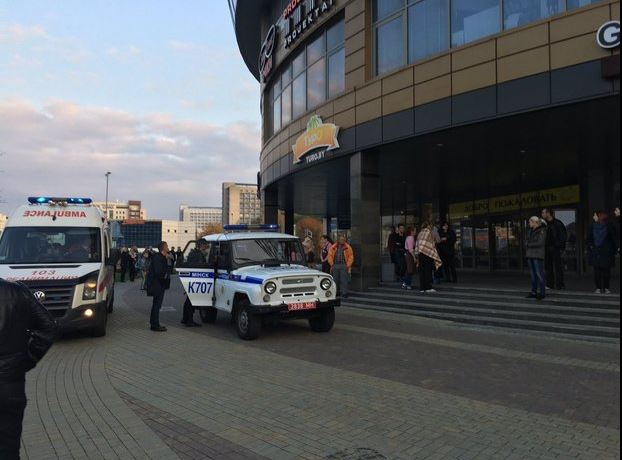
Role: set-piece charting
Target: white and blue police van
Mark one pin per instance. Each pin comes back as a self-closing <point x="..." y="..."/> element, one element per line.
<point x="256" y="275"/>
<point x="60" y="248"/>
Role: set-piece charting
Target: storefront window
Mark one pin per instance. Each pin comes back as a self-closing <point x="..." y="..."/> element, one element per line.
<point x="579" y="3"/>
<point x="519" y="12"/>
<point x="474" y="19"/>
<point x="337" y="73"/>
<point x="384" y="8"/>
<point x="428" y="28"/>
<point x="316" y="85"/>
<point x="299" y="105"/>
<point x="389" y="46"/>
<point x="315" y="73"/>
<point x="286" y="105"/>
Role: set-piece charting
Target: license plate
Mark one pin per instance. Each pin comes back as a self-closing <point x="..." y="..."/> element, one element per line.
<point x="301" y="306"/>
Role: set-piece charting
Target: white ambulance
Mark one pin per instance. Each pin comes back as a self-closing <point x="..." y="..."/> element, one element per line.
<point x="61" y="249"/>
<point x="256" y="276"/>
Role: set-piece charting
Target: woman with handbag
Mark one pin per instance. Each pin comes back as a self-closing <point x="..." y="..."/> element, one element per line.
<point x="158" y="281"/>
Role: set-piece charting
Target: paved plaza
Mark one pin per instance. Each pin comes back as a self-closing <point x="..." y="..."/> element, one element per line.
<point x="379" y="386"/>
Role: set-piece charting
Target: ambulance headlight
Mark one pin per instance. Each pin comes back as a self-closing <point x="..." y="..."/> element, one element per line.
<point x="270" y="287"/>
<point x="326" y="283"/>
<point x="90" y="289"/>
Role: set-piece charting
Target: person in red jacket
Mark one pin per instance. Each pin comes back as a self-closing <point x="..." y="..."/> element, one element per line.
<point x="341" y="259"/>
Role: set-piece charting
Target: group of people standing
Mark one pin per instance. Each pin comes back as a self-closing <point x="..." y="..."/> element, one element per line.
<point x="429" y="250"/>
<point x="335" y="258"/>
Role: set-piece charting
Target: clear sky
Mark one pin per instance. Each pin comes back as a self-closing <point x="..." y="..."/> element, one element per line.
<point x="154" y="91"/>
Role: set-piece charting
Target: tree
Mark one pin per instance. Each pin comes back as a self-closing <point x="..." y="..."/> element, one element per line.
<point x="210" y="229"/>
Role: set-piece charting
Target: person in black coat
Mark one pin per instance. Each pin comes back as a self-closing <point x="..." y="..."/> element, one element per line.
<point x="158" y="281"/>
<point x="556" y="238"/>
<point x="447" y="251"/>
<point x="125" y="263"/>
<point x="27" y="331"/>
<point x="602" y="249"/>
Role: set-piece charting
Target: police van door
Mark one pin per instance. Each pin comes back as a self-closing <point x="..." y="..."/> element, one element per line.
<point x="224" y="289"/>
<point x="196" y="273"/>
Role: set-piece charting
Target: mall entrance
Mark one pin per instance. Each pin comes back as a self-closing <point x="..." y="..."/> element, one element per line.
<point x="488" y="179"/>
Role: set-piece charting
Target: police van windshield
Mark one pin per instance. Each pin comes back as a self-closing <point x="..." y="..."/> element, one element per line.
<point x="35" y="245"/>
<point x="269" y="250"/>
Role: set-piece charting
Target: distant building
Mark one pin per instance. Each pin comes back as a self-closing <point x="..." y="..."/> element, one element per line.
<point x="144" y="233"/>
<point x="202" y="216"/>
<point x="118" y="210"/>
<point x="3" y="219"/>
<point x="240" y="204"/>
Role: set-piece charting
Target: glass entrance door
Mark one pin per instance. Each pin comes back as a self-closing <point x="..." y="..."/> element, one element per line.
<point x="505" y="244"/>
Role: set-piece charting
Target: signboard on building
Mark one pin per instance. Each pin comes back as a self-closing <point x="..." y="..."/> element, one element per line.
<point x="300" y="15"/>
<point x="608" y="35"/>
<point x="509" y="203"/>
<point x="313" y="144"/>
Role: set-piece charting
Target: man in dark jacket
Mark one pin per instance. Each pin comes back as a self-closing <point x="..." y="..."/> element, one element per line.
<point x="27" y="331"/>
<point x="158" y="281"/>
<point x="555" y="246"/>
<point x="399" y="245"/>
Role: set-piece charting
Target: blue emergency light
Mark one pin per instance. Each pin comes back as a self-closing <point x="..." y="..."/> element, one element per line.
<point x="251" y="227"/>
<point x="47" y="200"/>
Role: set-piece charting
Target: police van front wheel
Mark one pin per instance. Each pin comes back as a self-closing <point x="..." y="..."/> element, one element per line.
<point x="247" y="323"/>
<point x="324" y="322"/>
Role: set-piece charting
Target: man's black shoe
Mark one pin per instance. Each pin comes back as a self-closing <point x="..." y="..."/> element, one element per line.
<point x="158" y="329"/>
<point x="539" y="297"/>
<point x="192" y="324"/>
<point x="531" y="296"/>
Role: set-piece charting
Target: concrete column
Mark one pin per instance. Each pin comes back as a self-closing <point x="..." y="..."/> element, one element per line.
<point x="270" y="204"/>
<point x="365" y="219"/>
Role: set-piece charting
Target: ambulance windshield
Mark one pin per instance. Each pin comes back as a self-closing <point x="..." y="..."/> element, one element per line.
<point x="36" y="245"/>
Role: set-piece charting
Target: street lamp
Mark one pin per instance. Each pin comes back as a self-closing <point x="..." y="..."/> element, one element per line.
<point x="106" y="207"/>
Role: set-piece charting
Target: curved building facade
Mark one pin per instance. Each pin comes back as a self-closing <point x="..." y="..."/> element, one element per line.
<point x="478" y="112"/>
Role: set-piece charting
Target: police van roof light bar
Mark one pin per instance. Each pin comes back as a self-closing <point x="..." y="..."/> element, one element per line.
<point x="251" y="227"/>
<point x="53" y="200"/>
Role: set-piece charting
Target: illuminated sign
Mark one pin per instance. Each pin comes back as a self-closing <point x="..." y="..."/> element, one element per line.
<point x="608" y="35"/>
<point x="266" y="55"/>
<point x="300" y="15"/>
<point x="313" y="144"/>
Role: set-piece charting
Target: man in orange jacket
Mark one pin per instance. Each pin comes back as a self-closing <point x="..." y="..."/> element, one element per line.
<point x="340" y="259"/>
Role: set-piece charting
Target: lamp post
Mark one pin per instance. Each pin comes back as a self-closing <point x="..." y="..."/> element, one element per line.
<point x="106" y="207"/>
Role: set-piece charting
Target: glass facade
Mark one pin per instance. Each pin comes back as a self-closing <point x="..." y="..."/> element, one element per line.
<point x="140" y="234"/>
<point x="406" y="31"/>
<point x="314" y="74"/>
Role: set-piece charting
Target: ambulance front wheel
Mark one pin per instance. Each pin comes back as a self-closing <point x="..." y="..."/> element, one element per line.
<point x="208" y="315"/>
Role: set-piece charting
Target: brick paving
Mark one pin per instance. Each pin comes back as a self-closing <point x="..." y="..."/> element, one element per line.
<point x="375" y="387"/>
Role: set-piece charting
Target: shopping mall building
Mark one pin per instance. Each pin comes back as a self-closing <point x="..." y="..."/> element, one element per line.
<point x="481" y="112"/>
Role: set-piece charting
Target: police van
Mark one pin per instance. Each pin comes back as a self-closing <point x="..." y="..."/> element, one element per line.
<point x="61" y="249"/>
<point x="256" y="276"/>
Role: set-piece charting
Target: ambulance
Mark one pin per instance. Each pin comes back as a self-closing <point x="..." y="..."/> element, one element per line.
<point x="256" y="275"/>
<point x="60" y="248"/>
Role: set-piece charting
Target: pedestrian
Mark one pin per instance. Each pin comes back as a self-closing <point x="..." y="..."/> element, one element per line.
<point x="535" y="245"/>
<point x="172" y="257"/>
<point x="602" y="247"/>
<point x="325" y="244"/>
<point x="392" y="248"/>
<point x="447" y="252"/>
<point x="341" y="259"/>
<point x="616" y="226"/>
<point x="179" y="257"/>
<point x="142" y="265"/>
<point x="409" y="255"/>
<point x="427" y="257"/>
<point x="125" y="260"/>
<point x="438" y="272"/>
<point x="27" y="331"/>
<point x="307" y="245"/>
<point x="556" y="237"/>
<point x="399" y="243"/>
<point x="158" y="281"/>
<point x="131" y="263"/>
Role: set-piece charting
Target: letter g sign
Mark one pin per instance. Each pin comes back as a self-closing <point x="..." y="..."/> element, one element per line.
<point x="608" y="35"/>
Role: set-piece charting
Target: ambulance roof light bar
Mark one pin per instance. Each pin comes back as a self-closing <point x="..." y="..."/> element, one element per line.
<point x="251" y="228"/>
<point x="58" y="200"/>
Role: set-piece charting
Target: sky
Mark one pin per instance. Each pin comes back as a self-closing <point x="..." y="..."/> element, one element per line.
<point x="154" y="91"/>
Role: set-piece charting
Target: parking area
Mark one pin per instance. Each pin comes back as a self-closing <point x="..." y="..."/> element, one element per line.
<point x="379" y="385"/>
